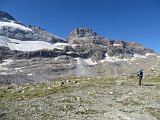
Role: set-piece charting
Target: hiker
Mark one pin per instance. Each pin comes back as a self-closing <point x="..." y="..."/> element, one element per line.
<point x="140" y="76"/>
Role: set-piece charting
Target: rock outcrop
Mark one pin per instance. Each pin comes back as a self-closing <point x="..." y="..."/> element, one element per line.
<point x="6" y="17"/>
<point x="88" y="42"/>
<point x="5" y="53"/>
<point x="83" y="35"/>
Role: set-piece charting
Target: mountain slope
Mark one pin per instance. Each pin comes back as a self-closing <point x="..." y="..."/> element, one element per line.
<point x="11" y="28"/>
<point x="25" y="46"/>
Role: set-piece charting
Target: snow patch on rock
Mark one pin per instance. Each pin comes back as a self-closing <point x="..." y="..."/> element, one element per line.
<point x="78" y="60"/>
<point x="19" y="45"/>
<point x="138" y="56"/>
<point x="116" y="44"/>
<point x="6" y="62"/>
<point x="150" y="54"/>
<point x="108" y="58"/>
<point x="89" y="61"/>
<point x="74" y="45"/>
<point x="116" y="59"/>
<point x="30" y="74"/>
<point x="14" y="25"/>
<point x="113" y="59"/>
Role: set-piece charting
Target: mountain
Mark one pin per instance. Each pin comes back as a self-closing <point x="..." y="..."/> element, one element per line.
<point x="83" y="42"/>
<point x="90" y="42"/>
<point x="30" y="54"/>
<point x="11" y="28"/>
<point x="16" y="36"/>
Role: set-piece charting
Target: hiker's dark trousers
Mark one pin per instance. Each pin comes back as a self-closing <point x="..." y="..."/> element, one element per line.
<point x="140" y="80"/>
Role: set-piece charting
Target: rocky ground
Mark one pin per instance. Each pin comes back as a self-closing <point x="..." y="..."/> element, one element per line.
<point x="78" y="98"/>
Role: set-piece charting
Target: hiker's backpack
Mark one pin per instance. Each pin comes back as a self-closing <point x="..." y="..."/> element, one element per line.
<point x="140" y="73"/>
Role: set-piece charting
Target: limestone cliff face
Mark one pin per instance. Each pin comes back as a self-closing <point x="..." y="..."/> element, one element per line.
<point x="83" y="35"/>
<point x="89" y="41"/>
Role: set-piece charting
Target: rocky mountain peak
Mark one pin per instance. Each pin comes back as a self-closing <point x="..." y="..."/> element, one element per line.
<point x="6" y="17"/>
<point x="83" y="32"/>
<point x="82" y="35"/>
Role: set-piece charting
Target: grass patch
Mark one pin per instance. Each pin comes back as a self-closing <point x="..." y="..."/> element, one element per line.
<point x="45" y="115"/>
<point x="125" y="102"/>
<point x="154" y="111"/>
<point x="87" y="112"/>
<point x="66" y="101"/>
<point x="66" y="108"/>
<point x="56" y="86"/>
<point x="131" y="102"/>
<point x="32" y="91"/>
<point x="156" y="79"/>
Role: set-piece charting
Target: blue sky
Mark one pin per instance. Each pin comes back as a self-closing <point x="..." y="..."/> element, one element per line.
<point x="131" y="20"/>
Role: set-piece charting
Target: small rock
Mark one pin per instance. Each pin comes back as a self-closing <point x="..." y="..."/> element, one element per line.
<point x="68" y="81"/>
<point x="43" y="89"/>
<point x="22" y="92"/>
<point x="120" y="83"/>
<point x="13" y="85"/>
<point x="40" y="108"/>
<point x="49" y="88"/>
<point x="32" y="89"/>
<point x="25" y="109"/>
<point x="12" y="91"/>
<point x="78" y="98"/>
<point x="62" y="83"/>
<point x="111" y="92"/>
<point x="27" y="84"/>
<point x="20" y="104"/>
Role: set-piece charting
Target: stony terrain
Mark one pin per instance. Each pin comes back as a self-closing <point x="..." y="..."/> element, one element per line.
<point x="78" y="98"/>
